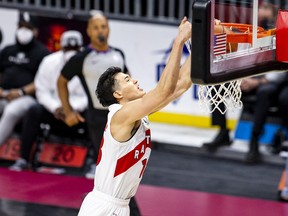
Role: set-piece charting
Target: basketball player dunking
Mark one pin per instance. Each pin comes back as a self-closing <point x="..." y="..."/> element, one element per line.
<point x="126" y="143"/>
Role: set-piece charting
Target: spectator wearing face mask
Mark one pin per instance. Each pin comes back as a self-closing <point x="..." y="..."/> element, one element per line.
<point x="49" y="110"/>
<point x="18" y="66"/>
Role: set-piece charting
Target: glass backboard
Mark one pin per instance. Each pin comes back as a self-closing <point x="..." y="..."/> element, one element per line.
<point x="232" y="39"/>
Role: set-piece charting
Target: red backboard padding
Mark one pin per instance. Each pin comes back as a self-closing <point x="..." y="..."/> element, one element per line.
<point x="282" y="36"/>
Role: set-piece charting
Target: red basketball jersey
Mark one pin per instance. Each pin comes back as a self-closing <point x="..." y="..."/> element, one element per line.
<point x="121" y="165"/>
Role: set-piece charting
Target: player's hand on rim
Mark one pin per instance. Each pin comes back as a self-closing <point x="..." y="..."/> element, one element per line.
<point x="217" y="22"/>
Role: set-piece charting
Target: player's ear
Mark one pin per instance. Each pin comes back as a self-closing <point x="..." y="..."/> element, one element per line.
<point x="117" y="95"/>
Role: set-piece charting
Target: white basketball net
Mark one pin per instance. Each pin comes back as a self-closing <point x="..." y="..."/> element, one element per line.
<point x="212" y="96"/>
<point x="229" y="93"/>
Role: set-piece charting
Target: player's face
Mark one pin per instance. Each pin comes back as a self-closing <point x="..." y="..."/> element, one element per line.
<point x="127" y="88"/>
<point x="98" y="30"/>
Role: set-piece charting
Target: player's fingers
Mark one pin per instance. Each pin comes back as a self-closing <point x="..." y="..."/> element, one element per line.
<point x="217" y="22"/>
<point x="184" y="20"/>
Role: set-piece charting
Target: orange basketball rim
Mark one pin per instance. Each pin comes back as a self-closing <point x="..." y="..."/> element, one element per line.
<point x="242" y="33"/>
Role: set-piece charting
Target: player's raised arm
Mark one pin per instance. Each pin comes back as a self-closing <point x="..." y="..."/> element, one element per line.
<point x="138" y="107"/>
<point x="183" y="84"/>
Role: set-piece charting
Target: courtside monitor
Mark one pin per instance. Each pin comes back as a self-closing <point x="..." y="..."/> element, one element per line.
<point x="232" y="39"/>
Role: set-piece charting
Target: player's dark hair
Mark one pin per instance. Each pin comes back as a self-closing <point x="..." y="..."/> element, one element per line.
<point x="105" y="86"/>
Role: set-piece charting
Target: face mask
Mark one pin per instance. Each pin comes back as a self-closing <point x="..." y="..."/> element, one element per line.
<point x="24" y="35"/>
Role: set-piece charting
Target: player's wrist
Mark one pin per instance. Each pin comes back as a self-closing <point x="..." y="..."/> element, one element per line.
<point x="223" y="29"/>
<point x="180" y="40"/>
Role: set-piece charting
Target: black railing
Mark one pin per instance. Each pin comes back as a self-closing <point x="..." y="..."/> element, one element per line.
<point x="162" y="11"/>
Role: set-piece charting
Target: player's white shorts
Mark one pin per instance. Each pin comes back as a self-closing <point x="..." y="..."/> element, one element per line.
<point x="97" y="203"/>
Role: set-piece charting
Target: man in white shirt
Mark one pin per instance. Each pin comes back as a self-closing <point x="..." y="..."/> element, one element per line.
<point x="48" y="110"/>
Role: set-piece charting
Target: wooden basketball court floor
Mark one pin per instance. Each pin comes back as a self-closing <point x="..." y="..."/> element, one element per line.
<point x="163" y="191"/>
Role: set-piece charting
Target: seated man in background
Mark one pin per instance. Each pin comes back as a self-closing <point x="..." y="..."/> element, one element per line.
<point x="272" y="89"/>
<point x="18" y="66"/>
<point x="267" y="89"/>
<point x="49" y="109"/>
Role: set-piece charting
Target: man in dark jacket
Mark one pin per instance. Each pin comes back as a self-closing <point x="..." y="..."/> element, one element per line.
<point x="18" y="66"/>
